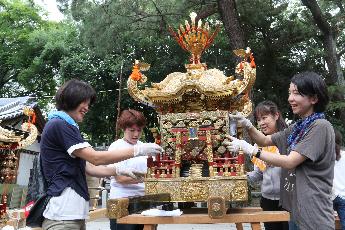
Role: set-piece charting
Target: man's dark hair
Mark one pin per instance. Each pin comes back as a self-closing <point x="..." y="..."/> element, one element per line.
<point x="72" y="93"/>
<point x="311" y="84"/>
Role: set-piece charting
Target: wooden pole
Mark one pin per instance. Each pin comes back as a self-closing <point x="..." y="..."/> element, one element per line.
<point x="119" y="103"/>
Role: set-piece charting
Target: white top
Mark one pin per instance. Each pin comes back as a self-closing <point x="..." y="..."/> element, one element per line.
<point x="339" y="178"/>
<point x="118" y="190"/>
<point x="68" y="206"/>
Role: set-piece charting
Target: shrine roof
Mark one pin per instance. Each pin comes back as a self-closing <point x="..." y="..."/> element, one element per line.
<point x="13" y="107"/>
<point x="12" y="111"/>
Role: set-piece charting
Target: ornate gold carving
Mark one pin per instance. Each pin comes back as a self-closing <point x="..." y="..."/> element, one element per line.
<point x="193" y="190"/>
<point x="177" y="172"/>
<point x="31" y="128"/>
<point x="198" y="88"/>
<point x="178" y="152"/>
<point x="195" y="170"/>
<point x="202" y="150"/>
<point x="240" y="191"/>
<point x="209" y="146"/>
<point x="216" y="207"/>
<point x="199" y="189"/>
<point x="4" y="218"/>
<point x="210" y="90"/>
<point x="194" y="109"/>
<point x="117" y="208"/>
<point x="9" y="136"/>
<point x="210" y="169"/>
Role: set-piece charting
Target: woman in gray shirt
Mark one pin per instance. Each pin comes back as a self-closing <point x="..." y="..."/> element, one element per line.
<point x="307" y="154"/>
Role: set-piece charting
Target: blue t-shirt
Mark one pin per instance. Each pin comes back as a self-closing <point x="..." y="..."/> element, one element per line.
<point x="60" y="168"/>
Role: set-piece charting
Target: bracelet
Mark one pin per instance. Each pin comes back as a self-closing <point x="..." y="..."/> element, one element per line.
<point x="258" y="153"/>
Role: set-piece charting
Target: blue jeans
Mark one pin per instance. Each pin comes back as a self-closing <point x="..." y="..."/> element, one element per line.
<point x="293" y="225"/>
<point x="339" y="206"/>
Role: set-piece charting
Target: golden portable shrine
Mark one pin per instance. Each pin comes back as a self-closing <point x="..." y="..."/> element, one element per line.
<point x="11" y="140"/>
<point x="193" y="109"/>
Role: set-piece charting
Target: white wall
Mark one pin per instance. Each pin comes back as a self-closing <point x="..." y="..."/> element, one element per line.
<point x="25" y="164"/>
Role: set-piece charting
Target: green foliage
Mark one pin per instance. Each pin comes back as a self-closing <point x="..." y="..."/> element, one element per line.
<point x="17" y="21"/>
<point x="31" y="51"/>
<point x="336" y="106"/>
<point x="48" y="46"/>
<point x="36" y="56"/>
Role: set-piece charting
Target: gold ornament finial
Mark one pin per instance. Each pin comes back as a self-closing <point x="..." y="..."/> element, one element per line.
<point x="194" y="38"/>
<point x="28" y="111"/>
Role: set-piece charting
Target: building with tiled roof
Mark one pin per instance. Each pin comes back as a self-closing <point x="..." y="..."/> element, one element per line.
<point x="12" y="117"/>
<point x="11" y="112"/>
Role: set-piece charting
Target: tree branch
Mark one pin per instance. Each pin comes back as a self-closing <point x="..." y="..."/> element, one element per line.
<point x="319" y="18"/>
<point x="231" y="22"/>
<point x="206" y="12"/>
<point x="163" y="22"/>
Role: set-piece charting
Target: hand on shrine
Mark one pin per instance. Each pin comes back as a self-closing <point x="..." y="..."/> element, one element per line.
<point x="129" y="172"/>
<point x="147" y="149"/>
<point x="235" y="145"/>
<point x="241" y="119"/>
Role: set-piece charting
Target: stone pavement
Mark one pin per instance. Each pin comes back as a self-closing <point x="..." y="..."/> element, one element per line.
<point x="103" y="224"/>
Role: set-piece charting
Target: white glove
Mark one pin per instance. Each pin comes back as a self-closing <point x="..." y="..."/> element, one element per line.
<point x="147" y="149"/>
<point x="241" y="119"/>
<point x="236" y="144"/>
<point x="129" y="172"/>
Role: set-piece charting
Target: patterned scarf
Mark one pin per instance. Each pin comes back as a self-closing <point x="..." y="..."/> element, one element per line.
<point x="301" y="128"/>
<point x="64" y="116"/>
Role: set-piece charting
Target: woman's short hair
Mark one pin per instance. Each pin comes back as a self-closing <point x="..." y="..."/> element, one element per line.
<point x="130" y="117"/>
<point x="72" y="93"/>
<point x="312" y="84"/>
<point x="270" y="108"/>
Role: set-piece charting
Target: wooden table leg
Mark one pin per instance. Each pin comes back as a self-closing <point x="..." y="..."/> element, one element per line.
<point x="239" y="226"/>
<point x="150" y="227"/>
<point x="256" y="226"/>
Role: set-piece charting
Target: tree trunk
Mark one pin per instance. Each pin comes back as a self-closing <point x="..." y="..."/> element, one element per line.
<point x="329" y="43"/>
<point x="336" y="76"/>
<point x="231" y="22"/>
<point x="118" y="104"/>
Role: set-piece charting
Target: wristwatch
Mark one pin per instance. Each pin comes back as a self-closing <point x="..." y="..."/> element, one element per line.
<point x="258" y="153"/>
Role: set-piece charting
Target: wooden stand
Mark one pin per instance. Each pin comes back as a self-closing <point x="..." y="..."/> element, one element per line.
<point x="254" y="216"/>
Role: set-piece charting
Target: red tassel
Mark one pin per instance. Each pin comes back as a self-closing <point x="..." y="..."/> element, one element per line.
<point x="252" y="62"/>
<point x="241" y="66"/>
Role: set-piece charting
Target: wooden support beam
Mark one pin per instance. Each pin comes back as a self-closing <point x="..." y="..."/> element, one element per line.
<point x="256" y="226"/>
<point x="254" y="217"/>
<point x="239" y="226"/>
<point x="97" y="214"/>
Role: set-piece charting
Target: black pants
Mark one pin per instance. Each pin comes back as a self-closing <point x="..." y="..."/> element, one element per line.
<point x="273" y="205"/>
<point x="116" y="226"/>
